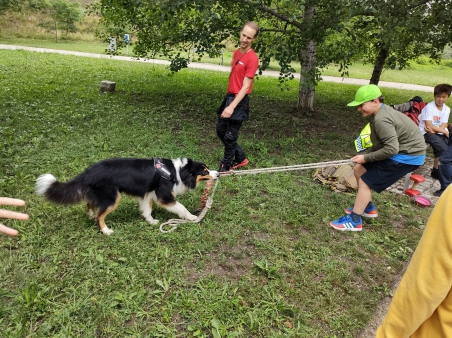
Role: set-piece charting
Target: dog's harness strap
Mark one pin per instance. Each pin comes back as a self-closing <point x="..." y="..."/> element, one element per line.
<point x="162" y="169"/>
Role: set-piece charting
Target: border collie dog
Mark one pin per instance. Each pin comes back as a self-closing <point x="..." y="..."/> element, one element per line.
<point x="156" y="180"/>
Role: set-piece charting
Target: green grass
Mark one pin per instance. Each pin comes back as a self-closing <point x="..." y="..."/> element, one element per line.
<point x="426" y="74"/>
<point x="263" y="263"/>
<point x="422" y="73"/>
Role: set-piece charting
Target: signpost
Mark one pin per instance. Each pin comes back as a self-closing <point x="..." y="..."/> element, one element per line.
<point x="112" y="45"/>
<point x="127" y="40"/>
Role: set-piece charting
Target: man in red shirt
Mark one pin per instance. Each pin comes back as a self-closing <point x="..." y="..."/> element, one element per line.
<point x="235" y="106"/>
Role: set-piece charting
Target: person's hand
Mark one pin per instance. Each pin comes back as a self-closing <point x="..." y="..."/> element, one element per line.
<point x="358" y="159"/>
<point x="11" y="214"/>
<point x="227" y="112"/>
<point x="429" y="130"/>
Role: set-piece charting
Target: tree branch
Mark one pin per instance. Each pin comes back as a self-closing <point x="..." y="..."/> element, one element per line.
<point x="285" y="31"/>
<point x="273" y="13"/>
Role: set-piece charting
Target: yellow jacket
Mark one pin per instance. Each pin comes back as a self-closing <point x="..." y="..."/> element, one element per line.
<point x="422" y="303"/>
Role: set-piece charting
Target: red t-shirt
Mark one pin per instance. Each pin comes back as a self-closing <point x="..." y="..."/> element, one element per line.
<point x="242" y="65"/>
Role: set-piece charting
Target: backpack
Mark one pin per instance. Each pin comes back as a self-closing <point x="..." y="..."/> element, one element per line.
<point x="340" y="178"/>
<point x="412" y="108"/>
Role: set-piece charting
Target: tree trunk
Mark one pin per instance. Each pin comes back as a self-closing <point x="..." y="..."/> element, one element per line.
<point x="306" y="92"/>
<point x="378" y="66"/>
<point x="308" y="57"/>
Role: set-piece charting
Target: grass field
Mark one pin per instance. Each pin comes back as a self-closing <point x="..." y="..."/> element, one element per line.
<point x="422" y="72"/>
<point x="263" y="263"/>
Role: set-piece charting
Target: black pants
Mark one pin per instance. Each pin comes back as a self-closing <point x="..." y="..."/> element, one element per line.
<point x="228" y="129"/>
<point x="438" y="143"/>
<point x="228" y="132"/>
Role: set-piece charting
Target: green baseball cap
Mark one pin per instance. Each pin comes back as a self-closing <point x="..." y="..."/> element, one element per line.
<point x="364" y="94"/>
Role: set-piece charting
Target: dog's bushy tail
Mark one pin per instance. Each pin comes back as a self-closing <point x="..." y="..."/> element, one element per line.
<point x="58" y="192"/>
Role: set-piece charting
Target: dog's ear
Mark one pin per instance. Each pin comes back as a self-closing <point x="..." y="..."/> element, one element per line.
<point x="187" y="163"/>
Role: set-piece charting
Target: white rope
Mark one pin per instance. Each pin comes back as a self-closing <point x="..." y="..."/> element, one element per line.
<point x="287" y="168"/>
<point x="174" y="222"/>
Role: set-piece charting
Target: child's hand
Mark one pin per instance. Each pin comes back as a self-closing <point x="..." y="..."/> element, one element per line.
<point x="358" y="159"/>
<point x="11" y="214"/>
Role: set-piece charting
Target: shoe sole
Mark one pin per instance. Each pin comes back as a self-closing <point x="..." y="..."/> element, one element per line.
<point x="365" y="214"/>
<point x="345" y="229"/>
<point x="241" y="164"/>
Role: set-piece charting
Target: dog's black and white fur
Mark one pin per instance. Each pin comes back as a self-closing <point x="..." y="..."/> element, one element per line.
<point x="149" y="180"/>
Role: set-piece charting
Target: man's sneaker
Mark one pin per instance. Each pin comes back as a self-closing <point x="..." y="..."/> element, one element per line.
<point x="224" y="168"/>
<point x="237" y="164"/>
<point x="345" y="223"/>
<point x="435" y="173"/>
<point x="371" y="212"/>
<point x="438" y="193"/>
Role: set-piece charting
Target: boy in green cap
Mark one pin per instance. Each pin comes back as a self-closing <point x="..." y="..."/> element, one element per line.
<point x="398" y="148"/>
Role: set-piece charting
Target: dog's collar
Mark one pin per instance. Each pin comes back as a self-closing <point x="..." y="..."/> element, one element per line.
<point x="163" y="170"/>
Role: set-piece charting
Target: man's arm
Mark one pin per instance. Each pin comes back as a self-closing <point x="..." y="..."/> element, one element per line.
<point x="227" y="112"/>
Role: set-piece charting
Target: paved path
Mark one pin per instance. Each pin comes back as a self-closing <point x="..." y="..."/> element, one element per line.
<point x="208" y="66"/>
<point x="426" y="188"/>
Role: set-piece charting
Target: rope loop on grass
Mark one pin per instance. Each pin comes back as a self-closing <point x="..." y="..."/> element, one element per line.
<point x="206" y="202"/>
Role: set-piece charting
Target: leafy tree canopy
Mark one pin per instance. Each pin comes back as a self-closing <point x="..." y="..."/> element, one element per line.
<point x="386" y="33"/>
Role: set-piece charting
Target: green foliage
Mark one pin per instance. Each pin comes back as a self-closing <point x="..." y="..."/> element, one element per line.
<point x="386" y="34"/>
<point x="64" y="14"/>
<point x="402" y="32"/>
<point x="169" y="27"/>
<point x="9" y="5"/>
<point x="448" y="63"/>
<point x="263" y="263"/>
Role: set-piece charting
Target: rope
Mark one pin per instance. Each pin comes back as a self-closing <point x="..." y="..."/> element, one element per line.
<point x="206" y="205"/>
<point x="174" y="222"/>
<point x="287" y="168"/>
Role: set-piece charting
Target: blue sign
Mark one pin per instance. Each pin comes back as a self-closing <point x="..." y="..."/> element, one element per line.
<point x="126" y="38"/>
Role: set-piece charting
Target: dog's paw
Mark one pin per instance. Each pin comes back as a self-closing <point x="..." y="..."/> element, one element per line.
<point x="192" y="218"/>
<point x="90" y="214"/>
<point x="107" y="231"/>
<point x="151" y="220"/>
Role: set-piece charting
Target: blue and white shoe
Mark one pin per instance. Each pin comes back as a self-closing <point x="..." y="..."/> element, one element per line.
<point x="345" y="223"/>
<point x="371" y="212"/>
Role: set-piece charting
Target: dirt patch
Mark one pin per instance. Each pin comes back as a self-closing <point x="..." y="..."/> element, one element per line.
<point x="228" y="263"/>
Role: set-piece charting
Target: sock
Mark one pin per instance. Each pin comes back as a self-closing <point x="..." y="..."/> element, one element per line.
<point x="355" y="217"/>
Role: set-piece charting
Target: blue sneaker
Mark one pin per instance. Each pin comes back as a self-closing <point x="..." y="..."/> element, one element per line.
<point x="345" y="223"/>
<point x="371" y="212"/>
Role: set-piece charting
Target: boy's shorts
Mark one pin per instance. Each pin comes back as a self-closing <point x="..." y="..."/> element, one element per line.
<point x="438" y="142"/>
<point x="382" y="174"/>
